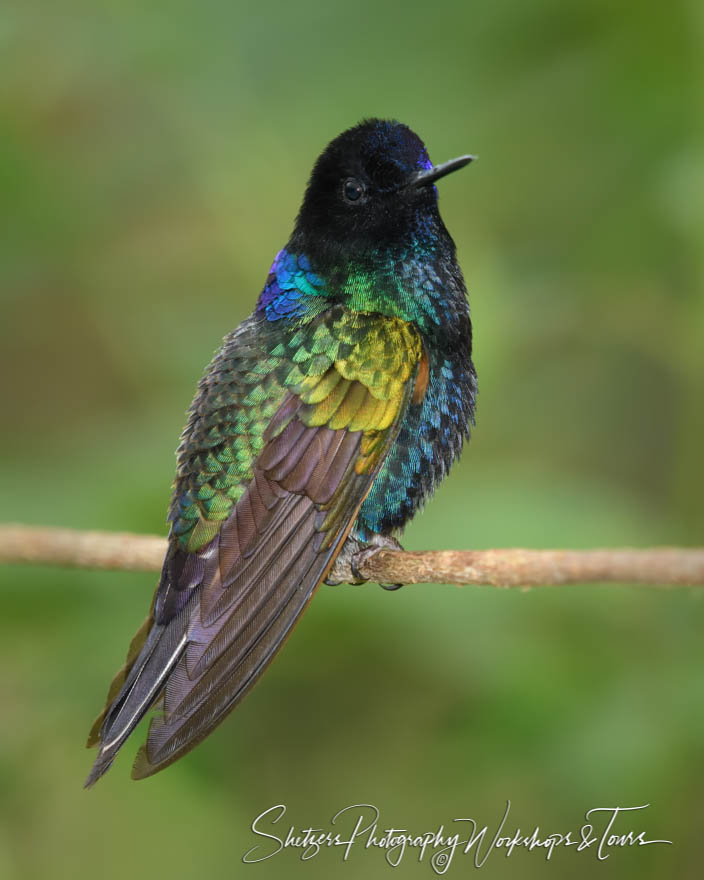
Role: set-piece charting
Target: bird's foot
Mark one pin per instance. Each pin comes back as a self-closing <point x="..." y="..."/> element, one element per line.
<point x="342" y="571"/>
<point x="352" y="557"/>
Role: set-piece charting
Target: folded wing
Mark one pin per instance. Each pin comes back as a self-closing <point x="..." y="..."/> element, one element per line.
<point x="222" y="610"/>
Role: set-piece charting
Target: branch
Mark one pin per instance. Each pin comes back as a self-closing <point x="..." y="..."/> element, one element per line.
<point x="665" y="566"/>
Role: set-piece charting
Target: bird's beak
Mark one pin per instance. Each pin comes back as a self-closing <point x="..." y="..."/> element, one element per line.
<point x="423" y="178"/>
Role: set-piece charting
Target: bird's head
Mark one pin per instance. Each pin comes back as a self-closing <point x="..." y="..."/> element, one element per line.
<point x="371" y="189"/>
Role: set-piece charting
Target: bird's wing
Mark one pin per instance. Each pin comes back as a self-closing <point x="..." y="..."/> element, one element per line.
<point x="278" y="456"/>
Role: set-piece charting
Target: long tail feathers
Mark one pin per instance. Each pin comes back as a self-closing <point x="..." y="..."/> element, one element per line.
<point x="239" y="648"/>
<point x="145" y="679"/>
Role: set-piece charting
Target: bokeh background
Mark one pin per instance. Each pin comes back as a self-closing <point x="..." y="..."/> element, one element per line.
<point x="152" y="158"/>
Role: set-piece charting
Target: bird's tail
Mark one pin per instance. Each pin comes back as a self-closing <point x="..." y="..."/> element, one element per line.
<point x="154" y="651"/>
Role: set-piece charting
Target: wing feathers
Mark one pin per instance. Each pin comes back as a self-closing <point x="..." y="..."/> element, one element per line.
<point x="222" y="612"/>
<point x="287" y="440"/>
<point x="172" y="736"/>
<point x="246" y="626"/>
<point x="315" y="454"/>
<point x="243" y="577"/>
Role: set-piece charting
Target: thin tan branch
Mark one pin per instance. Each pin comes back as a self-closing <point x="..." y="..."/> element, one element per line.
<point x="664" y="566"/>
<point x="40" y="545"/>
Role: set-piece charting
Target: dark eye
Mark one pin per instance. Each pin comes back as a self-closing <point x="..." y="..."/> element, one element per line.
<point x="352" y="190"/>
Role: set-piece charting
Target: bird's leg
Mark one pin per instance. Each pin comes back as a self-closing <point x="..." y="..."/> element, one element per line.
<point x="354" y="554"/>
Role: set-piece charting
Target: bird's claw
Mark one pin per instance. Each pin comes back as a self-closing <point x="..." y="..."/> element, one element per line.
<point x="353" y="556"/>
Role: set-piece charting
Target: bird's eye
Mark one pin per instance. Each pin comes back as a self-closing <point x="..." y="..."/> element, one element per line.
<point x="352" y="190"/>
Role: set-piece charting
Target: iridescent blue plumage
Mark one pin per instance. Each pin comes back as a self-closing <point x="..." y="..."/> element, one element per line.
<point x="292" y="290"/>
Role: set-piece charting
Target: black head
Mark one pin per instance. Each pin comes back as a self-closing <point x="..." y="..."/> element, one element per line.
<point x="371" y="188"/>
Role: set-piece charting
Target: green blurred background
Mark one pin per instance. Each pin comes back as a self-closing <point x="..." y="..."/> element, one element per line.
<point x="152" y="158"/>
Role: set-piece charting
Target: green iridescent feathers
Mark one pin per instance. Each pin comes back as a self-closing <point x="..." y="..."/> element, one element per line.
<point x="327" y="363"/>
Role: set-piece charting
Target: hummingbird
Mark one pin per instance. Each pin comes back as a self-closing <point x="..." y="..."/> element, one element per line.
<point x="320" y="427"/>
